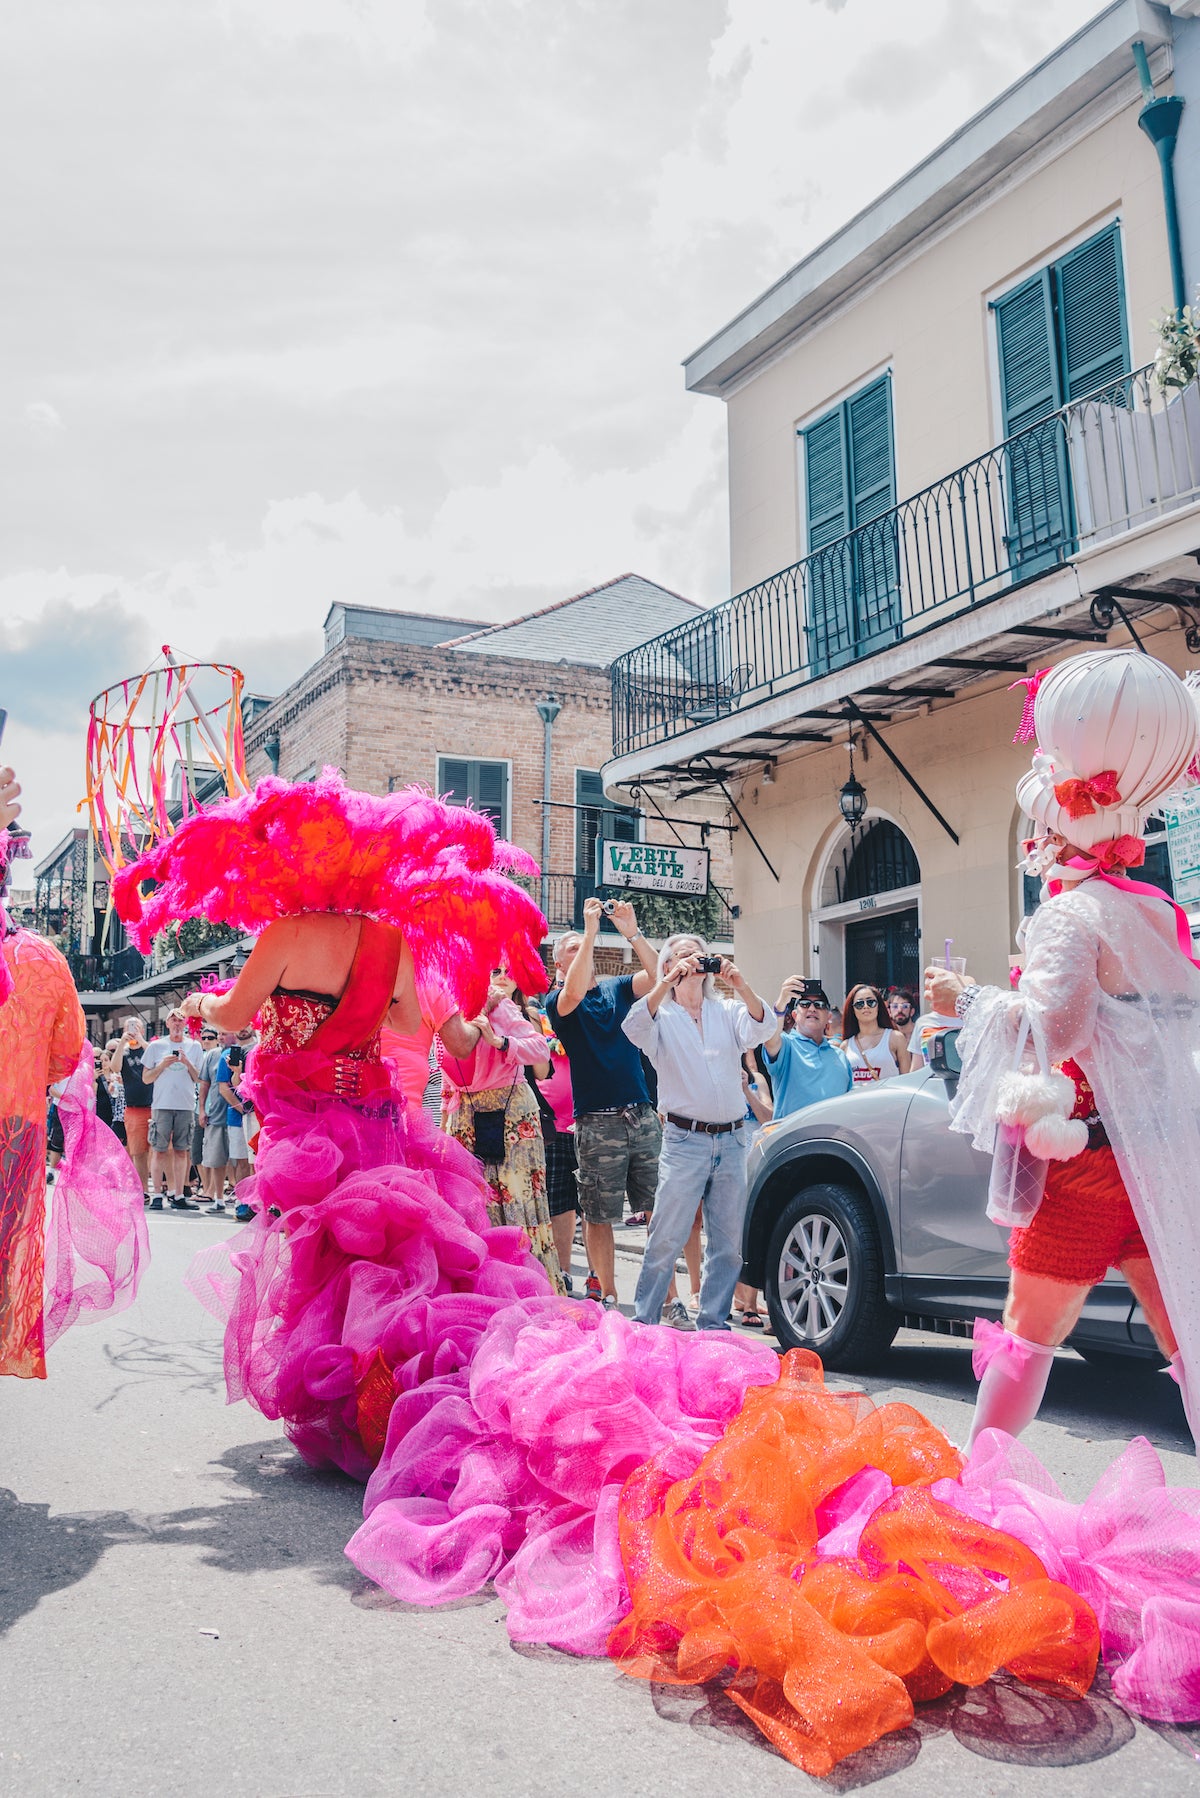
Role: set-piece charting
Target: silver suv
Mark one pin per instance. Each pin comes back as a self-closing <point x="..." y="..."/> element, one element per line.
<point x="866" y="1212"/>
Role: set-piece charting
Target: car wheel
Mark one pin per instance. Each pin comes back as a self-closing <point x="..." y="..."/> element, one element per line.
<point x="824" y="1278"/>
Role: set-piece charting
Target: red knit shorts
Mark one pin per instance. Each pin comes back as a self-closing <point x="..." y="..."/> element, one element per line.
<point x="1083" y="1226"/>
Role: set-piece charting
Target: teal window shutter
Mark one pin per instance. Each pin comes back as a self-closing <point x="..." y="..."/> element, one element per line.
<point x="850" y="483"/>
<point x="826" y="487"/>
<point x="1093" y="337"/>
<point x="872" y="471"/>
<point x="481" y="784"/>
<point x="598" y="817"/>
<point x="1029" y="387"/>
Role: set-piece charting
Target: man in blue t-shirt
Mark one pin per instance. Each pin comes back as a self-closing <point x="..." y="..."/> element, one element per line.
<point x="617" y="1133"/>
<point x="803" y="1064"/>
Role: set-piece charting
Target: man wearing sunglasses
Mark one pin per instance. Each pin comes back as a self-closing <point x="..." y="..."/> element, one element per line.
<point x="803" y="1064"/>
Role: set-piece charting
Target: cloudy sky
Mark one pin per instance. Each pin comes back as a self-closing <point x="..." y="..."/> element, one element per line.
<point x="385" y="300"/>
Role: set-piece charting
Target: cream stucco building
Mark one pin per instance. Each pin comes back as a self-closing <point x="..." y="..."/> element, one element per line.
<point x="948" y="466"/>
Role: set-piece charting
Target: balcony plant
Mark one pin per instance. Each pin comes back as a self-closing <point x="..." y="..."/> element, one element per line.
<point x="1178" y="359"/>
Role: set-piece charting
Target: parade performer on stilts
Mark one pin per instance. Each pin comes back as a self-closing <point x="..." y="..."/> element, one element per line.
<point x="687" y="1504"/>
<point x="1087" y="1079"/>
<point x="84" y="1259"/>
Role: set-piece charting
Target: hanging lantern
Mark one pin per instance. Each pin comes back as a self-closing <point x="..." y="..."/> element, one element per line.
<point x="852" y="800"/>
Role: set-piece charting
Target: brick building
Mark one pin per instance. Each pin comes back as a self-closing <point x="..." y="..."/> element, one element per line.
<point x="401" y="698"/>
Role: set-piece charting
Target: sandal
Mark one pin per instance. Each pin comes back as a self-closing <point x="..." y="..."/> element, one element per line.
<point x="752" y="1320"/>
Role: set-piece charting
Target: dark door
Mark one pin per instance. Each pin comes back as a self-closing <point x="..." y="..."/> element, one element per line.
<point x="886" y="951"/>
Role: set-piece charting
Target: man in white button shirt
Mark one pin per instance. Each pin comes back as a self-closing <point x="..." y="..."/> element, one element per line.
<point x="696" y="1042"/>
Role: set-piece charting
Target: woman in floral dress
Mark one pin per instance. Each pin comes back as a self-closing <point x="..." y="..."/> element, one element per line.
<point x="492" y="1080"/>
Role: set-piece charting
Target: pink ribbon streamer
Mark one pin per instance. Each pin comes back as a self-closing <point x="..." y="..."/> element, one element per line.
<point x="1031" y="683"/>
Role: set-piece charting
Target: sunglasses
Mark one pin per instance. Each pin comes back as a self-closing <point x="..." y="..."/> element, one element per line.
<point x="865" y="1004"/>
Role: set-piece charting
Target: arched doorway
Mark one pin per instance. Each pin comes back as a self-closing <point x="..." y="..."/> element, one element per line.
<point x="868" y="926"/>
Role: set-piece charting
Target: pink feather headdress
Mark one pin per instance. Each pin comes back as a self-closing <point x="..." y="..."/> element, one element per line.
<point x="437" y="871"/>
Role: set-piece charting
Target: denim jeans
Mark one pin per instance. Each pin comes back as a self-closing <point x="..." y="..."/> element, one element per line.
<point x="695" y="1169"/>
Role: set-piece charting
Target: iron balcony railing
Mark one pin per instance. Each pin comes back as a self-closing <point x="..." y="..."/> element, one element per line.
<point x="710" y="914"/>
<point x="1098" y="467"/>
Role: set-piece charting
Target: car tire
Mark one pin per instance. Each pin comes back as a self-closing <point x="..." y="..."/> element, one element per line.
<point x="843" y="1315"/>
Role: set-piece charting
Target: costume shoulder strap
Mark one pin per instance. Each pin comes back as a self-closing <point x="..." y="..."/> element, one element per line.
<point x="364" y="1005"/>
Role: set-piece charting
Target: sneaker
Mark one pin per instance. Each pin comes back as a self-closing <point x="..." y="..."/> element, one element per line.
<point x="178" y="1204"/>
<point x="245" y="1214"/>
<point x="675" y="1316"/>
<point x="637" y="1220"/>
<point x="610" y="1302"/>
<point x="218" y="1205"/>
<point x="569" y="1285"/>
<point x="156" y="1203"/>
<point x="593" y="1288"/>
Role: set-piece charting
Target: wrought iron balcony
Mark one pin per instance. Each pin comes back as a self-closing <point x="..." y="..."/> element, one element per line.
<point x="1099" y="467"/>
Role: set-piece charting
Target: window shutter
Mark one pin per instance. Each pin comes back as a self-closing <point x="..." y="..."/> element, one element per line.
<point x="492" y="791"/>
<point x="599" y="818"/>
<point x="1091" y="316"/>
<point x="1025" y="336"/>
<point x="454" y="780"/>
<point x="872" y="497"/>
<point x="825" y="482"/>
<point x="872" y="482"/>
<point x="827" y="501"/>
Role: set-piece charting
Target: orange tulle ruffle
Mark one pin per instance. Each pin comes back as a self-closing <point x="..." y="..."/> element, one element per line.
<point x="826" y="1653"/>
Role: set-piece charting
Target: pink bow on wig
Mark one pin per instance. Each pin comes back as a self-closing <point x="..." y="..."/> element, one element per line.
<point x="1080" y="798"/>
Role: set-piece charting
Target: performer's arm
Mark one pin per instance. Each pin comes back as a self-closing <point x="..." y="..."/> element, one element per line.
<point x="68" y="1033"/>
<point x="257" y="981"/>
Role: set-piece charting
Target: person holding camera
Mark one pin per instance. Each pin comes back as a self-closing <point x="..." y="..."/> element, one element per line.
<point x="803" y="1064"/>
<point x="617" y="1134"/>
<point x="171" y="1068"/>
<point x="696" y="1042"/>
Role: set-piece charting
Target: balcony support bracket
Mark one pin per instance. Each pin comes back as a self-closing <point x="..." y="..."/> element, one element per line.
<point x="1107" y="604"/>
<point x="860" y="717"/>
<point x="733" y="806"/>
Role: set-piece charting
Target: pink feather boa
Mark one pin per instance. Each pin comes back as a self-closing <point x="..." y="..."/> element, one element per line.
<point x="437" y="871"/>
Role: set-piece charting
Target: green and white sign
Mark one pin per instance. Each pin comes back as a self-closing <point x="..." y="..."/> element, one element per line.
<point x="651" y="867"/>
<point x="1183" y="847"/>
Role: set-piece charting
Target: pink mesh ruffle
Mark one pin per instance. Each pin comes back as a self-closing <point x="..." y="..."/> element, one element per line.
<point x="512" y="1469"/>
<point x="97" y="1245"/>
<point x="437" y="871"/>
<point x="1131" y="1549"/>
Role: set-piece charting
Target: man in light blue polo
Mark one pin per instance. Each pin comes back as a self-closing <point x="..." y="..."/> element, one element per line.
<point x="803" y="1064"/>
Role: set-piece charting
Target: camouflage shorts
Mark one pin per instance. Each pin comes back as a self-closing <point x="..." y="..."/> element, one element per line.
<point x="618" y="1153"/>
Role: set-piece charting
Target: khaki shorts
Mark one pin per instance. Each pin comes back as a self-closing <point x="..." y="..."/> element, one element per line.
<point x="171" y="1130"/>
<point x="618" y="1153"/>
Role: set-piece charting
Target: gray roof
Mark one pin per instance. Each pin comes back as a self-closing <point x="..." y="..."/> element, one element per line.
<point x="378" y="624"/>
<point x="592" y="628"/>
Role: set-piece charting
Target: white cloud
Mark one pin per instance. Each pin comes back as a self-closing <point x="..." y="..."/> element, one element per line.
<point x="42" y="416"/>
<point x="385" y="300"/>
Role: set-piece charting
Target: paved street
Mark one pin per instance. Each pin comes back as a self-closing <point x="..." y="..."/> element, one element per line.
<point x="178" y="1618"/>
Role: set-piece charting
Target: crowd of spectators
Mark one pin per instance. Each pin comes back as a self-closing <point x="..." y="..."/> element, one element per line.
<point x="175" y="1104"/>
<point x="638" y="1092"/>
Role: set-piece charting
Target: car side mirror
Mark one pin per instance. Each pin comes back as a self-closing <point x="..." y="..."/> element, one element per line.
<point x="944" y="1058"/>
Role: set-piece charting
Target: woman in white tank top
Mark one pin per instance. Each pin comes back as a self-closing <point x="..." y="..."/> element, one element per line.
<point x="874" y="1050"/>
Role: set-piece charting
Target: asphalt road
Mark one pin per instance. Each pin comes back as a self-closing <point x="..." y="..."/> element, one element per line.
<point x="177" y="1617"/>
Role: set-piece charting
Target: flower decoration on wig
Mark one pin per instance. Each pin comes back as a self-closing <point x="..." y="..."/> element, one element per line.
<point x="437" y="871"/>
